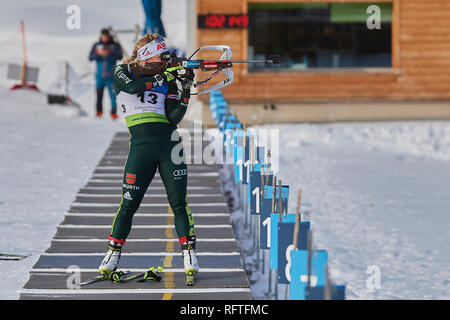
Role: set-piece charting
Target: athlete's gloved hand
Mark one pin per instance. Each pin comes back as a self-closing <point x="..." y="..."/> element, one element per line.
<point x="187" y="80"/>
<point x="173" y="73"/>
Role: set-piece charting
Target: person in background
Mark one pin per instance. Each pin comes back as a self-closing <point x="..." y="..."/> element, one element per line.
<point x="105" y="52"/>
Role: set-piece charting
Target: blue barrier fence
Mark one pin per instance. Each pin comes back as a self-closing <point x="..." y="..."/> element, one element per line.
<point x="292" y="262"/>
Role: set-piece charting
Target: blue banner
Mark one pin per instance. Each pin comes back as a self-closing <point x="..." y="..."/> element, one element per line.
<point x="268" y="193"/>
<point x="285" y="245"/>
<point x="318" y="293"/>
<point x="274" y="220"/>
<point x="265" y="207"/>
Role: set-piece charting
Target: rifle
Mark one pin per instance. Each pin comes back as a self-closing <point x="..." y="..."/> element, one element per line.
<point x="223" y="65"/>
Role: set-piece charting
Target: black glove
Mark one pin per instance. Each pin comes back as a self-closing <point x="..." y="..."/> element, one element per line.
<point x="187" y="79"/>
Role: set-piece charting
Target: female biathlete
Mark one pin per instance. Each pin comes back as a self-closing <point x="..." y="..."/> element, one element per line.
<point x="149" y="99"/>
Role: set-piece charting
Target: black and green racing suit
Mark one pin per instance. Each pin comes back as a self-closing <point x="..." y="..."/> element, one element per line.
<point x="152" y="108"/>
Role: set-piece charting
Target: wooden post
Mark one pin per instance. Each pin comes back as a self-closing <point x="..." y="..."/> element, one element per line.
<point x="23" y="75"/>
<point x="327" y="289"/>
<point x="244" y="167"/>
<point x="66" y="78"/>
<point x="24" y="70"/>
<point x="279" y="213"/>
<point x="273" y="205"/>
<point x="274" y="178"/>
<point x="297" y="220"/>
<point x="251" y="152"/>
<point x="251" y="155"/>
<point x="309" y="246"/>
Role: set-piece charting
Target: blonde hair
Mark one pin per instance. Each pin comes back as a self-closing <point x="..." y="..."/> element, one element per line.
<point x="141" y="42"/>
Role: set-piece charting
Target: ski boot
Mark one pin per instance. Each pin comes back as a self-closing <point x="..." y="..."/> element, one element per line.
<point x="111" y="259"/>
<point x="190" y="261"/>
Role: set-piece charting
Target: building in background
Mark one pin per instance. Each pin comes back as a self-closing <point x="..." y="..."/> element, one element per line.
<point x="338" y="61"/>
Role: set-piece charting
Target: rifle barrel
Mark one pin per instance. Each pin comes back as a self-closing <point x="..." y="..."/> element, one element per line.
<point x="251" y="61"/>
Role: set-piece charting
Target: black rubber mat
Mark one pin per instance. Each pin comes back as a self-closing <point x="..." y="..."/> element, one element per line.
<point x="80" y="240"/>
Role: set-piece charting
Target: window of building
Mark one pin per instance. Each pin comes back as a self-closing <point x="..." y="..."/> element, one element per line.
<point x="319" y="35"/>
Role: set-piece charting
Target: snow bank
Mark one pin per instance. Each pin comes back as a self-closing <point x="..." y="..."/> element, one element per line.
<point x="426" y="139"/>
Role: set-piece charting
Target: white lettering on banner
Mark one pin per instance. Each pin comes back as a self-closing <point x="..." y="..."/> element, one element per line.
<point x="247" y="170"/>
<point x="256" y="193"/>
<point x="239" y="164"/>
<point x="267" y="223"/>
<point x="287" y="270"/>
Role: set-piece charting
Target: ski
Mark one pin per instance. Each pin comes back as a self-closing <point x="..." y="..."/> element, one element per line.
<point x="12" y="257"/>
<point x="190" y="278"/>
<point x="98" y="278"/>
<point x="115" y="276"/>
<point x="152" y="274"/>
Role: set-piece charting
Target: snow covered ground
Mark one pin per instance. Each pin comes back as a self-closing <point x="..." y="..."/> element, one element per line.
<point x="377" y="194"/>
